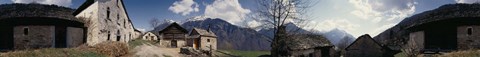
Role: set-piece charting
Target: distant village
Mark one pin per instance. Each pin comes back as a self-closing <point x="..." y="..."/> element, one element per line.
<point x="452" y="27"/>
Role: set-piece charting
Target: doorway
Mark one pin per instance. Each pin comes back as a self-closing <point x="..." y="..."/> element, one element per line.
<point x="173" y="43"/>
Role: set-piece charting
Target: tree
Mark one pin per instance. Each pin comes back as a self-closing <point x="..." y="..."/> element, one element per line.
<point x="344" y="42"/>
<point x="154" y="22"/>
<point x="276" y="14"/>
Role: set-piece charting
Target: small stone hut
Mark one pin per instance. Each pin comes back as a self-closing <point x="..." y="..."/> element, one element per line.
<point x="149" y="36"/>
<point x="202" y="39"/>
<point x="32" y="26"/>
<point x="366" y="46"/>
<point x="305" y="45"/>
<point x="173" y="36"/>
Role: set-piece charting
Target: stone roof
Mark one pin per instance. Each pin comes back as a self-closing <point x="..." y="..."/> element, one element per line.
<point x="398" y="35"/>
<point x="366" y="36"/>
<point x="307" y="41"/>
<point x="444" y="12"/>
<point x="203" y="32"/>
<point x="174" y="24"/>
<point x="36" y="10"/>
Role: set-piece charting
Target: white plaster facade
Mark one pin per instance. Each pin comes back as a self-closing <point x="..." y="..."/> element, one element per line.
<point x="149" y="36"/>
<point x="107" y="20"/>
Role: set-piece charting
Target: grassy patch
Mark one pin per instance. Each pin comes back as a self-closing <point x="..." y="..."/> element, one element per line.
<point x="467" y="53"/>
<point x="104" y="49"/>
<point x="401" y="54"/>
<point x="246" y="53"/>
<point x="138" y="42"/>
<point x="54" y="52"/>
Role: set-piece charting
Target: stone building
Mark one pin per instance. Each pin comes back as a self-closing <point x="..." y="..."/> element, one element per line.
<point x="447" y="28"/>
<point x="149" y="36"/>
<point x="173" y="36"/>
<point x="137" y="34"/>
<point x="202" y="39"/>
<point x="32" y="26"/>
<point x="305" y="45"/>
<point x="365" y="46"/>
<point x="107" y="20"/>
<point x="451" y="27"/>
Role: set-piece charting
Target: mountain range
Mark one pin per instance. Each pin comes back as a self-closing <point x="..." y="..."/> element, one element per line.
<point x="231" y="36"/>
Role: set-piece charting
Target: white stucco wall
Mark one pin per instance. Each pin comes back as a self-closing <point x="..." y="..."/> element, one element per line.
<point x="117" y="24"/>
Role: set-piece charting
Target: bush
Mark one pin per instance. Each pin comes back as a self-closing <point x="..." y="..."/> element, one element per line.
<point x="112" y="49"/>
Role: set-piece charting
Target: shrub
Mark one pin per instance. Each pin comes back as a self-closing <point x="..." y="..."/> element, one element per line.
<point x="111" y="48"/>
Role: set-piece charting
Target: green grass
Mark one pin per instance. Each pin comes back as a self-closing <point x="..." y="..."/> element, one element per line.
<point x="53" y="52"/>
<point x="466" y="53"/>
<point x="401" y="54"/>
<point x="138" y="42"/>
<point x="246" y="53"/>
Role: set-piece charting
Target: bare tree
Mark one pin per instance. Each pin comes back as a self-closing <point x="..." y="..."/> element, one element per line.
<point x="276" y="14"/>
<point x="154" y="22"/>
<point x="344" y="42"/>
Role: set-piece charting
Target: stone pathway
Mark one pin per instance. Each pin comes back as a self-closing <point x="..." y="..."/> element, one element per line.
<point x="148" y="50"/>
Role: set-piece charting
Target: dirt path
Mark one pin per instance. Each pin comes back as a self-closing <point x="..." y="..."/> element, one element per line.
<point x="148" y="50"/>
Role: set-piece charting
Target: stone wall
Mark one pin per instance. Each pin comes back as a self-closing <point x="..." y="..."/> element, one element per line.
<point x="468" y="41"/>
<point x="167" y="43"/>
<point x="204" y="44"/>
<point x="149" y="36"/>
<point x="74" y="36"/>
<point x="32" y="37"/>
<point x="416" y="42"/>
<point x="109" y="21"/>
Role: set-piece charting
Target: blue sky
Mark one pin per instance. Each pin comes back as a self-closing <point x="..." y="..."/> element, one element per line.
<point x="356" y="17"/>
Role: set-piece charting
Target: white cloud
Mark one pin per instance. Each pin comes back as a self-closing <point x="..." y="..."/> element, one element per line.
<point x="467" y="1"/>
<point x="229" y="10"/>
<point x="391" y="10"/>
<point x="141" y="29"/>
<point x="184" y="7"/>
<point x="254" y="24"/>
<point x="65" y="3"/>
<point x="382" y="14"/>
<point x="342" y="24"/>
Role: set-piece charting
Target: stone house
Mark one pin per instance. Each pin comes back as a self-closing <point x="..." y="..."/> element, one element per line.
<point x="173" y="36"/>
<point x="33" y="26"/>
<point x="305" y="45"/>
<point x="149" y="36"/>
<point x="448" y="28"/>
<point x="107" y="20"/>
<point x="366" y="46"/>
<point x="201" y="39"/>
<point x="137" y="34"/>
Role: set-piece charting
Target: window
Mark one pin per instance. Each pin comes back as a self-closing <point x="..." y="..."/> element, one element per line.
<point x="125" y="23"/>
<point x="25" y="31"/>
<point x="469" y="31"/>
<point x="118" y="16"/>
<point x="108" y="13"/>
<point x="208" y="40"/>
<point x="118" y="35"/>
<point x="153" y="38"/>
<point x="108" y="36"/>
<point x="117" y="3"/>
